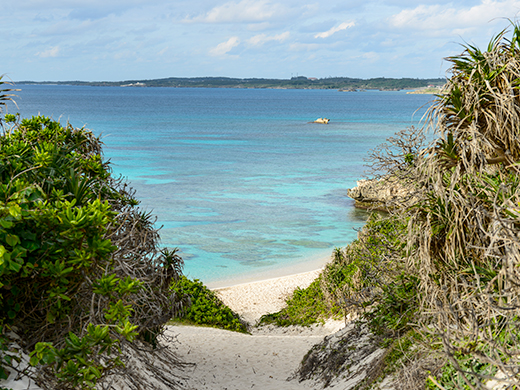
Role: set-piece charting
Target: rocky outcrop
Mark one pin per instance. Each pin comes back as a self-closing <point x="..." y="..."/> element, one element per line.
<point x="322" y="121"/>
<point x="349" y="359"/>
<point x="380" y="194"/>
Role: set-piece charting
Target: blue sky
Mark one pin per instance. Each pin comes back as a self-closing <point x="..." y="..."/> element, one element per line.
<point x="95" y="40"/>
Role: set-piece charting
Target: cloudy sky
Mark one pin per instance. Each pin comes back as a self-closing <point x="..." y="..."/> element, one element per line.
<point x="96" y="40"/>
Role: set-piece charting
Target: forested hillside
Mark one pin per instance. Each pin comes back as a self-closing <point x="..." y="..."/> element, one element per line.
<point x="300" y="82"/>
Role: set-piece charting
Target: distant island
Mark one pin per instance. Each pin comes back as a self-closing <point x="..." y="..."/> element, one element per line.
<point x="345" y="84"/>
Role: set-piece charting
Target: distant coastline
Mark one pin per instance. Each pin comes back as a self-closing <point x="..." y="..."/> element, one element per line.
<point x="344" y="84"/>
<point x="429" y="90"/>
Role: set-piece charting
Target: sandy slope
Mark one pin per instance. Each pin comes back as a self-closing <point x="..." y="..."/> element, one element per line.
<point x="252" y="300"/>
<point x="229" y="360"/>
<point x="263" y="360"/>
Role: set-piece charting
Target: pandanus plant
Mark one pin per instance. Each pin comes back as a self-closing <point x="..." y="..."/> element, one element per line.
<point x="465" y="240"/>
<point x="5" y="93"/>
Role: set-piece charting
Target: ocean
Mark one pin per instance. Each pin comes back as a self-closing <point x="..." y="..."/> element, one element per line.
<point x="241" y="180"/>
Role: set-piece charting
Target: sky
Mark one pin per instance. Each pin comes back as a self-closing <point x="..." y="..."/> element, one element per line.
<point x="113" y="40"/>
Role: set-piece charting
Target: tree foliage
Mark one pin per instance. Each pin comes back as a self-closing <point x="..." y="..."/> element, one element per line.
<point x="463" y="244"/>
<point x="299" y="82"/>
<point x="81" y="274"/>
<point x="467" y="220"/>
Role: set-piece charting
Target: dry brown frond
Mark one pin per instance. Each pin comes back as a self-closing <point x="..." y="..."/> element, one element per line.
<point x="467" y="222"/>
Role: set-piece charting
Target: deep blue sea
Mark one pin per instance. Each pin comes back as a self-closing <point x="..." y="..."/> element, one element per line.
<point x="240" y="180"/>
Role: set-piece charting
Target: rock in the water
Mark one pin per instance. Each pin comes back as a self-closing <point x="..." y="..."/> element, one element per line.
<point x="323" y="121"/>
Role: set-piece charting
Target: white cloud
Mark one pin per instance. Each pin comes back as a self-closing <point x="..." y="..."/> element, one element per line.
<point x="334" y="30"/>
<point x="371" y="56"/>
<point x="161" y="52"/>
<point x="247" y="11"/>
<point x="304" y="47"/>
<point x="188" y="33"/>
<point x="436" y="17"/>
<point x="224" y="47"/>
<point x="51" y="52"/>
<point x="260" y="39"/>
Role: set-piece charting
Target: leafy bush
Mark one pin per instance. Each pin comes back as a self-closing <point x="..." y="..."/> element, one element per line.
<point x="398" y="351"/>
<point x="467" y="375"/>
<point x="305" y="307"/>
<point x="467" y="219"/>
<point x="80" y="271"/>
<point x="462" y="251"/>
<point x="206" y="308"/>
<point x="397" y="306"/>
<point x="357" y="279"/>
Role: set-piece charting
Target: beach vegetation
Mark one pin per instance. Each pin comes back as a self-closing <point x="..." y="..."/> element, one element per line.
<point x="356" y="281"/>
<point x="443" y="263"/>
<point x="305" y="307"/>
<point x="205" y="307"/>
<point x="467" y="219"/>
<point x="468" y="374"/>
<point x="6" y="94"/>
<point x="82" y="279"/>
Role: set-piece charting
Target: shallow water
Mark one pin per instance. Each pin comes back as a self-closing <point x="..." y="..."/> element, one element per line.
<point x="240" y="179"/>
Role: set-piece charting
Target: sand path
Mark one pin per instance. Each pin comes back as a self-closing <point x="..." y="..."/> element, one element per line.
<point x="233" y="361"/>
<point x="263" y="360"/>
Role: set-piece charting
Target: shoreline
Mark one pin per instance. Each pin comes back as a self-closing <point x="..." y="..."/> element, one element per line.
<point x="269" y="280"/>
<point x="256" y="276"/>
<point x="254" y="299"/>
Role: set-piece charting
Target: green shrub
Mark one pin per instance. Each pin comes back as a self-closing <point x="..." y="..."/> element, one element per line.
<point x="470" y="370"/>
<point x="398" y="350"/>
<point x="355" y="278"/>
<point x="80" y="271"/>
<point x="305" y="307"/>
<point x="206" y="308"/>
<point x="396" y="307"/>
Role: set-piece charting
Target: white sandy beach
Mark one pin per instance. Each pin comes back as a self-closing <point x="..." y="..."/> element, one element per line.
<point x="263" y="360"/>
<point x="254" y="299"/>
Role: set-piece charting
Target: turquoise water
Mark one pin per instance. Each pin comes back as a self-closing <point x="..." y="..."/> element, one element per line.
<point x="240" y="180"/>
